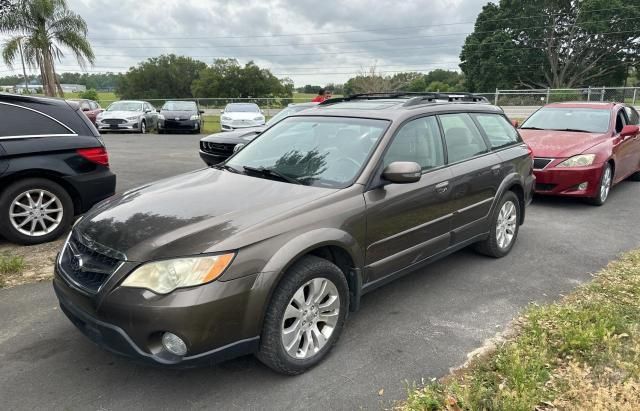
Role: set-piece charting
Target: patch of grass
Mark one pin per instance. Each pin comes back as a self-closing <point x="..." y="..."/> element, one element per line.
<point x="580" y="353"/>
<point x="104" y="98"/>
<point x="211" y="124"/>
<point x="10" y="265"/>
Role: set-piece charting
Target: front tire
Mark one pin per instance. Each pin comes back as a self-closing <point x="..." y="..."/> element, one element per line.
<point x="505" y="224"/>
<point x="606" y="181"/>
<point x="34" y="211"/>
<point x="143" y="127"/>
<point x="305" y="317"/>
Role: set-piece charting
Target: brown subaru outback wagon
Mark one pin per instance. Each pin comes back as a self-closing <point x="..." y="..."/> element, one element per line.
<point x="267" y="252"/>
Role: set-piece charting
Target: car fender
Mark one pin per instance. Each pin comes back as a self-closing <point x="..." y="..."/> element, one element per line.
<point x="512" y="179"/>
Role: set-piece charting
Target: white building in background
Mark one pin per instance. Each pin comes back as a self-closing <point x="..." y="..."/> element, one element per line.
<point x="36" y="88"/>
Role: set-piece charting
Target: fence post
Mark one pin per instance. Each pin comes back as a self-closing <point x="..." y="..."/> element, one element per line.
<point x="602" y="94"/>
<point x="548" y="94"/>
<point x="495" y="102"/>
<point x="589" y="94"/>
<point x="635" y="91"/>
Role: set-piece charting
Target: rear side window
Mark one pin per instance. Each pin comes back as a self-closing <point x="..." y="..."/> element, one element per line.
<point x="462" y="137"/>
<point x="18" y="121"/>
<point x="498" y="130"/>
<point x="84" y="105"/>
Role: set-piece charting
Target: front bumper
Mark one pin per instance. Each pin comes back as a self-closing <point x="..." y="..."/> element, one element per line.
<point x="133" y="125"/>
<point x="212" y="159"/>
<point x="179" y="125"/>
<point x="213" y="320"/>
<point x="564" y="181"/>
<point x="237" y="124"/>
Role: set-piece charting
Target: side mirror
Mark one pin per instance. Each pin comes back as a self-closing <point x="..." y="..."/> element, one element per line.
<point x="515" y="123"/>
<point x="201" y="111"/>
<point x="158" y="110"/>
<point x="86" y="109"/>
<point x="629" y="130"/>
<point x="147" y="111"/>
<point x="222" y="111"/>
<point x="238" y="147"/>
<point x="402" y="172"/>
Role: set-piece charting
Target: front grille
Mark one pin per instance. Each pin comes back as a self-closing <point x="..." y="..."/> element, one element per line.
<point x="544" y="187"/>
<point x="112" y="121"/>
<point x="540" y="163"/>
<point x="218" y="149"/>
<point x="86" y="267"/>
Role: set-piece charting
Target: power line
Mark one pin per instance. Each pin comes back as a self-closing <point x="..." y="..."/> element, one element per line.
<point x="364" y="30"/>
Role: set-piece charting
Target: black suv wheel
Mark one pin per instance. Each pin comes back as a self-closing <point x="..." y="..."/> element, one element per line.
<point x="305" y="317"/>
<point x="34" y="211"/>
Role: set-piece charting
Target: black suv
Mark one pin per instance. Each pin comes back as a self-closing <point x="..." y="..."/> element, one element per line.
<point x="268" y="251"/>
<point x="53" y="166"/>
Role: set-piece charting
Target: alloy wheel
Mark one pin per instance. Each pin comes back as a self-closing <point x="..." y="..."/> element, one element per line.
<point x="605" y="185"/>
<point x="36" y="212"/>
<point x="143" y="128"/>
<point x="310" y="318"/>
<point x="506" y="224"/>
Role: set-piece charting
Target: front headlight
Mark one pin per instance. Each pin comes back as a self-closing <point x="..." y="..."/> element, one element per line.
<point x="163" y="277"/>
<point x="194" y="117"/>
<point x="160" y="116"/>
<point x="132" y="118"/>
<point x="581" y="160"/>
<point x="225" y="118"/>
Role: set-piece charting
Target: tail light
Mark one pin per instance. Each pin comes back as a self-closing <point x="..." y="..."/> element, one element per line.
<point x="96" y="155"/>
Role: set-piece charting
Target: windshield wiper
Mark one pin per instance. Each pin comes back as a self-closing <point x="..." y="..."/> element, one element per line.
<point x="270" y="172"/>
<point x="226" y="167"/>
<point x="532" y="128"/>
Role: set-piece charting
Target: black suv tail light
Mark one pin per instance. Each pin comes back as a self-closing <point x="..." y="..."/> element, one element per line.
<point x="97" y="155"/>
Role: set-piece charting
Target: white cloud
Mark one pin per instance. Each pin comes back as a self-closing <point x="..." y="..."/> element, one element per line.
<point x="428" y="34"/>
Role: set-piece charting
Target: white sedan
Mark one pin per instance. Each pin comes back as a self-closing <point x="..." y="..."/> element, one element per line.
<point x="241" y="115"/>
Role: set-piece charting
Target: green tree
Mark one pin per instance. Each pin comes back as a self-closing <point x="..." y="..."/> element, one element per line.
<point x="38" y="31"/>
<point x="89" y="94"/>
<point x="166" y="76"/>
<point x="551" y="43"/>
<point x="226" y="78"/>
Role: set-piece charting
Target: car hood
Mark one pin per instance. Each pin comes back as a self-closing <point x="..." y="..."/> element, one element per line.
<point x="178" y="113"/>
<point x="559" y="144"/>
<point x="243" y="135"/>
<point x="239" y="115"/>
<point x="120" y="114"/>
<point x="189" y="214"/>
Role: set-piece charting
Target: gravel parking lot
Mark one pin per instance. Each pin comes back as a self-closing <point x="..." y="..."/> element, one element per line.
<point x="414" y="328"/>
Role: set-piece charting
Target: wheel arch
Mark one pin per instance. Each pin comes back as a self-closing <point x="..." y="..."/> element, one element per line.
<point x="514" y="183"/>
<point x="47" y="175"/>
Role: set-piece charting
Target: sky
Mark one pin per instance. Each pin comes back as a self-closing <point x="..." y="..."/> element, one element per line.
<point x="309" y="41"/>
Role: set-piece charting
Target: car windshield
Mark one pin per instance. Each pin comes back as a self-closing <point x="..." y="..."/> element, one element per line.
<point x="316" y="151"/>
<point x="591" y="120"/>
<point x="180" y="106"/>
<point x="242" y="108"/>
<point x="125" y="106"/>
<point x="286" y="112"/>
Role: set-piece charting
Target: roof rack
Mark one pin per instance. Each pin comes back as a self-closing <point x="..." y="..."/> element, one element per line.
<point x="415" y="98"/>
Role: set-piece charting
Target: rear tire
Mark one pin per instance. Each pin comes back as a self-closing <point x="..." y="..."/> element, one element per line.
<point x="505" y="224"/>
<point x="21" y="205"/>
<point x="305" y="316"/>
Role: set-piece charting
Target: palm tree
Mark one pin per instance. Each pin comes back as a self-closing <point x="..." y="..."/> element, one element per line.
<point x="38" y="30"/>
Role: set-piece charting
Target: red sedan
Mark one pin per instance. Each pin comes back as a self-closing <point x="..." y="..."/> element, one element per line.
<point x="583" y="149"/>
<point x="89" y="107"/>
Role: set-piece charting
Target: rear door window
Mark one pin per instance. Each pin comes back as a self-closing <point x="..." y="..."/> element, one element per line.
<point x="462" y="137"/>
<point x="498" y="130"/>
<point x="19" y="121"/>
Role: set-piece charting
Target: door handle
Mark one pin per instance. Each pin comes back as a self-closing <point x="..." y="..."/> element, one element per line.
<point x="442" y="187"/>
<point x="496" y="169"/>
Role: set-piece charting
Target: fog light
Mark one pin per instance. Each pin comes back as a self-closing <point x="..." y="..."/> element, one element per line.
<point x="174" y="344"/>
<point x="583" y="186"/>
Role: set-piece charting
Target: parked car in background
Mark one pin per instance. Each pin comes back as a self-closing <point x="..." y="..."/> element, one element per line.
<point x="180" y="116"/>
<point x="583" y="149"/>
<point x="241" y="115"/>
<point x="128" y="115"/>
<point x="217" y="147"/>
<point x="268" y="252"/>
<point x="53" y="166"/>
<point x="89" y="107"/>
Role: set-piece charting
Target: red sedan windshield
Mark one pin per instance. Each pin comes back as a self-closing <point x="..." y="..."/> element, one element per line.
<point x="589" y="120"/>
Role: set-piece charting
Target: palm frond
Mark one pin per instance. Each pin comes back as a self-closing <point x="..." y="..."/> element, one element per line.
<point x="11" y="50"/>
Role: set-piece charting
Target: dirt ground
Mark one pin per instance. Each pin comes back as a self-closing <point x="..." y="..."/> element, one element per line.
<point x="39" y="260"/>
